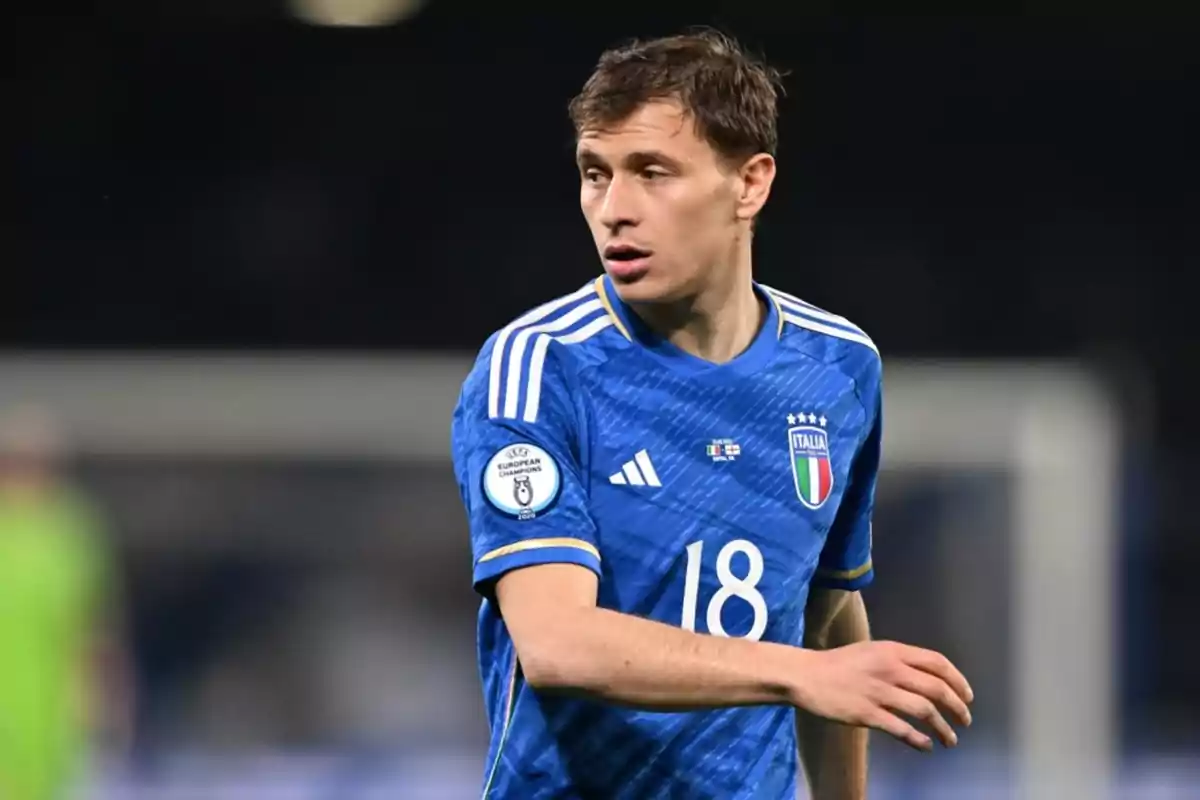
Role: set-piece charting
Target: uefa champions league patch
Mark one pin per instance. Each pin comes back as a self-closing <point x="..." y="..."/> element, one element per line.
<point x="522" y="480"/>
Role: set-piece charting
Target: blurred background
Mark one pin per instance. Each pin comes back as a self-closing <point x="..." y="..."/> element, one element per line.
<point x="253" y="245"/>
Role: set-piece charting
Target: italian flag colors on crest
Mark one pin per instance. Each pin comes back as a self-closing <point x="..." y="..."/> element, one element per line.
<point x="810" y="465"/>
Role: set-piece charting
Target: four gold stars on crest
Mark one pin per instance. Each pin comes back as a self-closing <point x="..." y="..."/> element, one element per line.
<point x="802" y="418"/>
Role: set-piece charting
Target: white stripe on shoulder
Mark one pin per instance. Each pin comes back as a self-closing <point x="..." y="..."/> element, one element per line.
<point x="533" y="394"/>
<point x="516" y="355"/>
<point x="792" y="303"/>
<point x="498" y="348"/>
<point x="829" y="330"/>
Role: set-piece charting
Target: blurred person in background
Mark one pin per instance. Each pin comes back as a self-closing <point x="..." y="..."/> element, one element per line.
<point x="63" y="678"/>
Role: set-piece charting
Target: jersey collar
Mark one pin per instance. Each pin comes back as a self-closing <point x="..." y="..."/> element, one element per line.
<point x="751" y="360"/>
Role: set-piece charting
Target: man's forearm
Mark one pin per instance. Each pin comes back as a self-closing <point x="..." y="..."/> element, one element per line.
<point x="834" y="755"/>
<point x="109" y="690"/>
<point x="641" y="663"/>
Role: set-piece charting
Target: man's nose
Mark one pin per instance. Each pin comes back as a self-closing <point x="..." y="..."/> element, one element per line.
<point x="619" y="208"/>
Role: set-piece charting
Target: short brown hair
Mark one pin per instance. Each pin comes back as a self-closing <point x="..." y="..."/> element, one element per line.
<point x="731" y="95"/>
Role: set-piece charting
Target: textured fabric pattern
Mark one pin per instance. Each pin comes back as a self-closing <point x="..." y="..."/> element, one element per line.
<point x="683" y="485"/>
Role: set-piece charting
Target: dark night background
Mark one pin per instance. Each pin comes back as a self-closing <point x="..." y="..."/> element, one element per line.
<point x="998" y="187"/>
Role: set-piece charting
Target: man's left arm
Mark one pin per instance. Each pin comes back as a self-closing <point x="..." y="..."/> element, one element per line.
<point x="109" y="687"/>
<point x="834" y="756"/>
<point x="105" y="671"/>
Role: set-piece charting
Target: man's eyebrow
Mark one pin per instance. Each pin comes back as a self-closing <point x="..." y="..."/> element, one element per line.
<point x="643" y="157"/>
<point x="585" y="157"/>
<point x="638" y="158"/>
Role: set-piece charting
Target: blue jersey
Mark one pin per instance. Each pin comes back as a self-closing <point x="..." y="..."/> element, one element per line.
<point x="704" y="496"/>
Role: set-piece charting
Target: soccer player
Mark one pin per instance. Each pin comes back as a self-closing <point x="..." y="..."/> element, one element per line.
<point x="669" y="476"/>
<point x="63" y="671"/>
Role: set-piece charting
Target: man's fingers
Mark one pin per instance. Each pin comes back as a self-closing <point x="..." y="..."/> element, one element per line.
<point x="937" y="664"/>
<point x="938" y="691"/>
<point x="900" y="729"/>
<point x="917" y="707"/>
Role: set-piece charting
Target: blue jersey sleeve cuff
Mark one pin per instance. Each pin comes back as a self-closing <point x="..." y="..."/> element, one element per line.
<point x="849" y="580"/>
<point x="531" y="552"/>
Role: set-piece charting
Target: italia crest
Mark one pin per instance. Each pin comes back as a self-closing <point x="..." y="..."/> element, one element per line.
<point x="808" y="445"/>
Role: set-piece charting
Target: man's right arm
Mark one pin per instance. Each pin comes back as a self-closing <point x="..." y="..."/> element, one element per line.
<point x="565" y="643"/>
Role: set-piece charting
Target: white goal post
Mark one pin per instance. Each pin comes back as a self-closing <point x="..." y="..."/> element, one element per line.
<point x="1049" y="426"/>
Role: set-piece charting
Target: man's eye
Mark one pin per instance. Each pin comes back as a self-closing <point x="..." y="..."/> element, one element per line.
<point x="593" y="175"/>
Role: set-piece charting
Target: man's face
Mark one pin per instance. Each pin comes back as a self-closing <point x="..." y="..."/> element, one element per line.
<point x="662" y="206"/>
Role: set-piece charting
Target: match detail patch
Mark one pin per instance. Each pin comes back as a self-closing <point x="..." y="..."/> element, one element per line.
<point x="522" y="480"/>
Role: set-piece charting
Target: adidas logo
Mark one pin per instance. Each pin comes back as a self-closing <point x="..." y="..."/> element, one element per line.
<point x="638" y="472"/>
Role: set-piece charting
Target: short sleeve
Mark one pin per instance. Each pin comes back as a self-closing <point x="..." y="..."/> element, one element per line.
<point x="518" y="467"/>
<point x="845" y="561"/>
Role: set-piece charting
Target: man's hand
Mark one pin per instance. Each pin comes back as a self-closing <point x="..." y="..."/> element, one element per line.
<point x="878" y="684"/>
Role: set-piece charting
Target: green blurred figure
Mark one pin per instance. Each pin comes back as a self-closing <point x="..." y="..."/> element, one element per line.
<point x="61" y="669"/>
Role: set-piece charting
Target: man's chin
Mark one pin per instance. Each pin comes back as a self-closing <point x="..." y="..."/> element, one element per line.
<point x="648" y="287"/>
<point x="645" y="289"/>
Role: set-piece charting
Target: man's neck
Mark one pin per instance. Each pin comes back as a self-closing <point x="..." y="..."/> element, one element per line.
<point x="717" y="324"/>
